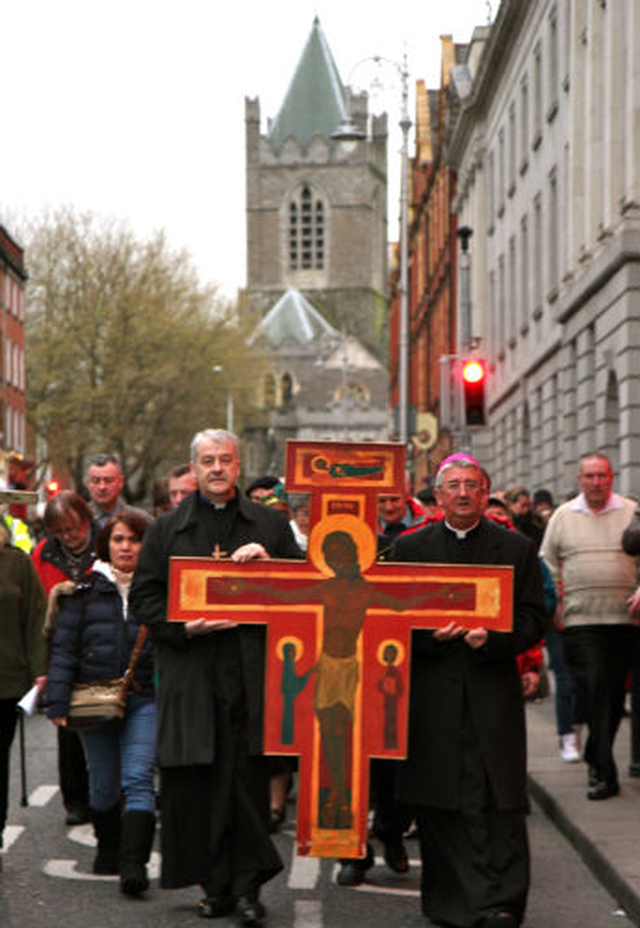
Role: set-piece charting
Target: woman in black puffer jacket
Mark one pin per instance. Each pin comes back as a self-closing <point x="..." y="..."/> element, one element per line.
<point x="93" y="639"/>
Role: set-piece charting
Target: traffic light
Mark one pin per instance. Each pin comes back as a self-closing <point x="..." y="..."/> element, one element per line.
<point x="474" y="378"/>
<point x="53" y="488"/>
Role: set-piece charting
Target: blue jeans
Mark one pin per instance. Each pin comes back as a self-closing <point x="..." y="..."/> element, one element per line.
<point x="568" y="705"/>
<point x="122" y="759"/>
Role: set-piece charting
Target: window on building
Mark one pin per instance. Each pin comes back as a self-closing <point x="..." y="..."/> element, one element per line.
<point x="501" y="305"/>
<point x="513" y="292"/>
<point x="537" y="95"/>
<point x="501" y="174"/>
<point x="553" y="234"/>
<point x="307" y="233"/>
<point x="524" y="273"/>
<point x="16" y="365"/>
<point x="491" y="191"/>
<point x="524" y="124"/>
<point x="512" y="149"/>
<point x="553" y="65"/>
<point x="537" y="254"/>
<point x="286" y="387"/>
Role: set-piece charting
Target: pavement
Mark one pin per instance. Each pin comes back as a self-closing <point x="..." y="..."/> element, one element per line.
<point x="605" y="833"/>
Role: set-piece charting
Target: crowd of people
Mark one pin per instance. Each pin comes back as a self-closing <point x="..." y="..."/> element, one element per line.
<point x="78" y="604"/>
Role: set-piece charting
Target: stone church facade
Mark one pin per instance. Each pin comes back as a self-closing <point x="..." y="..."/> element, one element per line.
<point x="317" y="207"/>
<point x="316" y="264"/>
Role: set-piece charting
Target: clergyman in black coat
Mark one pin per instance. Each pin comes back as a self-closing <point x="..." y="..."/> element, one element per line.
<point x="215" y="783"/>
<point x="466" y="768"/>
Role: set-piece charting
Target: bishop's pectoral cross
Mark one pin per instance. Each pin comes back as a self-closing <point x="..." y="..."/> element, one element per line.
<point x="339" y="633"/>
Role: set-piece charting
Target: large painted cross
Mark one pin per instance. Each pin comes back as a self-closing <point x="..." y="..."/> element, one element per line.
<point x="339" y="633"/>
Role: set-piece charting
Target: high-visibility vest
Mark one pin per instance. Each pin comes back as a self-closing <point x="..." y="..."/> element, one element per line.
<point x="19" y="534"/>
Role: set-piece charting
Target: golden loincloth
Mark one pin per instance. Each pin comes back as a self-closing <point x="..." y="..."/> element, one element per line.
<point x="336" y="681"/>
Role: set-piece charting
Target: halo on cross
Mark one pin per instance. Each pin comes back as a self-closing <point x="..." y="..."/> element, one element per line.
<point x="362" y="536"/>
<point x="289" y="639"/>
<point x="391" y="643"/>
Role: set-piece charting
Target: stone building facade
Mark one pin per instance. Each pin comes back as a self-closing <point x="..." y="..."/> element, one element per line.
<point x="317" y="207"/>
<point x="547" y="153"/>
<point x="322" y="385"/>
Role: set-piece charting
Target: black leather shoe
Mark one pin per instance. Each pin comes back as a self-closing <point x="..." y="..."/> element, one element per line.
<point x="216" y="906"/>
<point x="603" y="790"/>
<point x="250" y="912"/>
<point x="352" y="870"/>
<point x="395" y="857"/>
<point x="351" y="873"/>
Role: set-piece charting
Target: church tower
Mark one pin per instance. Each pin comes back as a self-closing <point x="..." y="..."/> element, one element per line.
<point x="317" y="207"/>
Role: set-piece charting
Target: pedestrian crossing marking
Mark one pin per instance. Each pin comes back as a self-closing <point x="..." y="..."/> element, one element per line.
<point x="11" y="834"/>
<point x="41" y="795"/>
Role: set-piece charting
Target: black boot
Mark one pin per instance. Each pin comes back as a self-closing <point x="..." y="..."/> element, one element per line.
<point x="107" y="829"/>
<point x="135" y="848"/>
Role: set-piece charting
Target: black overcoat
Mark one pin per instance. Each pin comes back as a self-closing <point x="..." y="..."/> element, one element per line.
<point x="452" y="683"/>
<point x="186" y="703"/>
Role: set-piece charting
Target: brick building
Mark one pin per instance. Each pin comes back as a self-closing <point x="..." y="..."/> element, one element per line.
<point x="13" y="431"/>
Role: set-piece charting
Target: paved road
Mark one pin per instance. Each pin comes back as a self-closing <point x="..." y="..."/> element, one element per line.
<point x="47" y="880"/>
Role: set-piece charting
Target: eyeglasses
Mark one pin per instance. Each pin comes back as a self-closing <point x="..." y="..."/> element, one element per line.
<point x="454" y="486"/>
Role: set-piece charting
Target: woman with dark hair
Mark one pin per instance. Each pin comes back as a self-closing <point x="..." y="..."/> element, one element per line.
<point x="62" y="559"/>
<point x="93" y="639"/>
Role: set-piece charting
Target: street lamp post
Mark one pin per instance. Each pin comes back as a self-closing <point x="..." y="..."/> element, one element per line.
<point x="349" y="133"/>
<point x="219" y="369"/>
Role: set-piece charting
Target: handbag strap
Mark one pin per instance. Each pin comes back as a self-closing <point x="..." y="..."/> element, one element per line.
<point x="127" y="680"/>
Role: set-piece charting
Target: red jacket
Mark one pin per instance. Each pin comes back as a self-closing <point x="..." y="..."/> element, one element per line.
<point x="50" y="564"/>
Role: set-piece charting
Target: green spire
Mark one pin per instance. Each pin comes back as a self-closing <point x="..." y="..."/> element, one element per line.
<point x="315" y="101"/>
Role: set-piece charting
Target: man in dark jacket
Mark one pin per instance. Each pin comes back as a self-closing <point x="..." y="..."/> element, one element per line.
<point x="466" y="769"/>
<point x="215" y="783"/>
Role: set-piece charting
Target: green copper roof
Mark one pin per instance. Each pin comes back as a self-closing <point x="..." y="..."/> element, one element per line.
<point x="315" y="101"/>
<point x="293" y="317"/>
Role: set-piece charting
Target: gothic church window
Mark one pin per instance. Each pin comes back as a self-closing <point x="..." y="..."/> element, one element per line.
<point x="286" y="386"/>
<point x="306" y="231"/>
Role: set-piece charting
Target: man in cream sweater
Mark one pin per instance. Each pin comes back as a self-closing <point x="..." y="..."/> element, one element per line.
<point x="582" y="546"/>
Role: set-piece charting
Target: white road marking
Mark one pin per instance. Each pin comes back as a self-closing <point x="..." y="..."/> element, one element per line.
<point x="304" y="872"/>
<point x="387" y="890"/>
<point x="11" y="833"/>
<point x="307" y="913"/>
<point x="67" y="870"/>
<point x="82" y="834"/>
<point x="41" y="795"/>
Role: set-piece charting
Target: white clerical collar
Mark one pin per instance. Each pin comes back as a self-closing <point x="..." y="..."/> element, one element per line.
<point x="614" y="502"/>
<point x="461" y="533"/>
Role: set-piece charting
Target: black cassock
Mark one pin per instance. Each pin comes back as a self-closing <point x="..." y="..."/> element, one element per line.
<point x="214" y="779"/>
<point x="466" y="767"/>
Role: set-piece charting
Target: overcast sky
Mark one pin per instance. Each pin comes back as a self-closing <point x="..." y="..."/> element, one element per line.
<point x="135" y="108"/>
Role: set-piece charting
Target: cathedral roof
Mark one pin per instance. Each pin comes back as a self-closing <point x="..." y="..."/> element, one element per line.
<point x="293" y="317"/>
<point x="315" y="100"/>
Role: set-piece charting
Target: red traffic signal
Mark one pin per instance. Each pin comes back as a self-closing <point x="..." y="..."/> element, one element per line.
<point x="474" y="378"/>
<point x="53" y="488"/>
